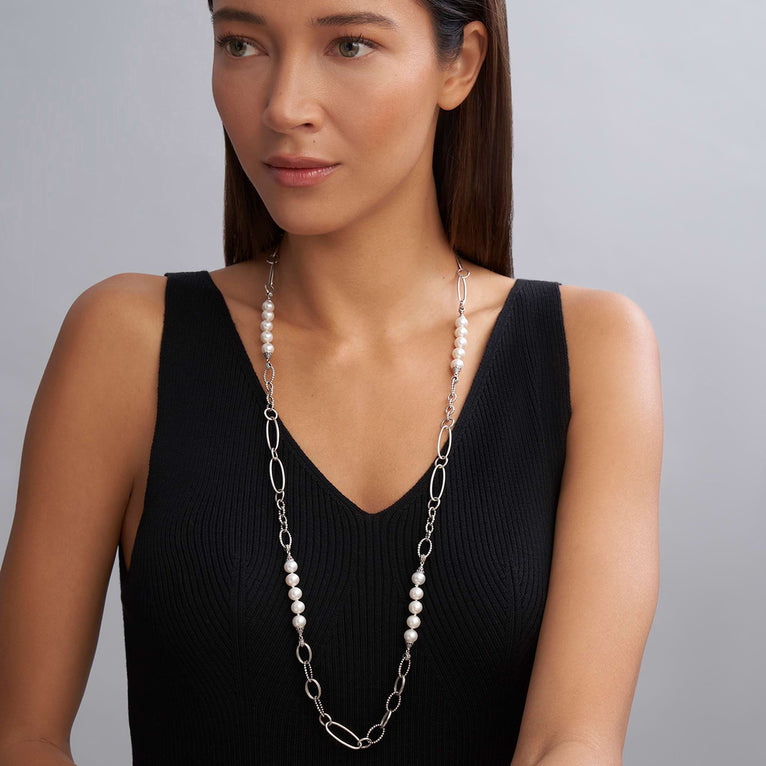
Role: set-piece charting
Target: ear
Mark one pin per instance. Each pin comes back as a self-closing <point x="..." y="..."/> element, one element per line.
<point x="461" y="74"/>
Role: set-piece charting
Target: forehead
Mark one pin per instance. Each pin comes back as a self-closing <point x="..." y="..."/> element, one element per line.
<point x="314" y="14"/>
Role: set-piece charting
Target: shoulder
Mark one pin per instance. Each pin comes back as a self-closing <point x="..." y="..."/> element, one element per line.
<point x="120" y="318"/>
<point x="610" y="341"/>
<point x="604" y="578"/>
<point x="108" y="348"/>
<point x="120" y="300"/>
<point x="594" y="308"/>
<point x="117" y="323"/>
<point x="86" y="433"/>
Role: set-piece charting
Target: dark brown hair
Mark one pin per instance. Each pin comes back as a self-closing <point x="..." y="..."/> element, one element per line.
<point x="472" y="158"/>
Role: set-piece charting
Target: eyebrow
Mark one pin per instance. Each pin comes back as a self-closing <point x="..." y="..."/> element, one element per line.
<point x="335" y="20"/>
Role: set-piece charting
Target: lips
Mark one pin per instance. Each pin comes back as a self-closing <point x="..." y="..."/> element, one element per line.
<point x="292" y="177"/>
<point x="297" y="161"/>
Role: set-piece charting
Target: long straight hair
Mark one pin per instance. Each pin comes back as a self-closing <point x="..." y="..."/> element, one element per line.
<point x="472" y="158"/>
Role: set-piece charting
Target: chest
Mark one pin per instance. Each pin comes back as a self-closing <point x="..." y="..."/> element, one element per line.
<point x="206" y="606"/>
<point x="371" y="434"/>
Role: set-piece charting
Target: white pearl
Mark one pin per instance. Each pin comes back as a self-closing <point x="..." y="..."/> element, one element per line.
<point x="458" y="353"/>
<point x="461" y="332"/>
<point x="267" y="305"/>
<point x="267" y="348"/>
<point x="461" y="321"/>
<point x="416" y="593"/>
<point x="267" y="316"/>
<point x="291" y="565"/>
<point x="461" y="341"/>
<point x="267" y="325"/>
<point x="299" y="621"/>
<point x="413" y="621"/>
<point x="292" y="579"/>
<point x="267" y="336"/>
<point x="418" y="577"/>
<point x="456" y="364"/>
<point x="297" y="607"/>
<point x="294" y="594"/>
<point x="410" y="636"/>
<point x="416" y="607"/>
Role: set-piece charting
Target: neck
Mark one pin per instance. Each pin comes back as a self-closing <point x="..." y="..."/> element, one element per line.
<point x="354" y="286"/>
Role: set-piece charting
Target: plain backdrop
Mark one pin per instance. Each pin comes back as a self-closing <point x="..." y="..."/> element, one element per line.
<point x="639" y="168"/>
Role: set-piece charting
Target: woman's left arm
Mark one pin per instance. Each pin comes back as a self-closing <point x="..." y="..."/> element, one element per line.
<point x="604" y="579"/>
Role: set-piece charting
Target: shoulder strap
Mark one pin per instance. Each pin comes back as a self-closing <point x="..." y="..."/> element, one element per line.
<point x="534" y="337"/>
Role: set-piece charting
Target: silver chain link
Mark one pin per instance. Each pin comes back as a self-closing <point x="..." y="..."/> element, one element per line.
<point x="285" y="538"/>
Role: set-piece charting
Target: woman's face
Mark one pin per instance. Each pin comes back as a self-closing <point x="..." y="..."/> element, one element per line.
<point x="285" y="85"/>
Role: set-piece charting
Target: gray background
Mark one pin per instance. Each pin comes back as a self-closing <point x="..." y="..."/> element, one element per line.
<point x="638" y="169"/>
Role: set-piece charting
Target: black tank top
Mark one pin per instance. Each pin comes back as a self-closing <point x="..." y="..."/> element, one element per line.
<point x="213" y="676"/>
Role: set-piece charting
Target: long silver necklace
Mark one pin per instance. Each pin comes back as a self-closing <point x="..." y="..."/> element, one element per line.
<point x="295" y="594"/>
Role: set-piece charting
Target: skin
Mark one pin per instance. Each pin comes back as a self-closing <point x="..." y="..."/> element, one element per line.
<point x="365" y="304"/>
<point x="373" y="225"/>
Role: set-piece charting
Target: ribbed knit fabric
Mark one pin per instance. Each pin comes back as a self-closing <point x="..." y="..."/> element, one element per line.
<point x="213" y="676"/>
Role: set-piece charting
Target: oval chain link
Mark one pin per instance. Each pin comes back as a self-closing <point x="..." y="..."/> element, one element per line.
<point x="353" y="741"/>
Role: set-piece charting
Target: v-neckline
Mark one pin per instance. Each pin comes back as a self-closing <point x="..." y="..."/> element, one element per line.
<point x="463" y="420"/>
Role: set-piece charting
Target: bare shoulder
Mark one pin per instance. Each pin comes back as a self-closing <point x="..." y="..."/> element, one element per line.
<point x="119" y="320"/>
<point x="589" y="311"/>
<point x="121" y="300"/>
<point x="114" y="329"/>
<point x="604" y="578"/>
<point x="85" y="436"/>
<point x="608" y="336"/>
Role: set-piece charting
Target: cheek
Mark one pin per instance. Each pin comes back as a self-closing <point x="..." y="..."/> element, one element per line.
<point x="385" y="124"/>
<point x="235" y="104"/>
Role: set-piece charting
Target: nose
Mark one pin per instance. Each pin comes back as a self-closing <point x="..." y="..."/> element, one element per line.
<point x="291" y="99"/>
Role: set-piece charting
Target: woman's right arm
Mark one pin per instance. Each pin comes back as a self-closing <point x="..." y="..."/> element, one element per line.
<point x="78" y="464"/>
<point x="34" y="753"/>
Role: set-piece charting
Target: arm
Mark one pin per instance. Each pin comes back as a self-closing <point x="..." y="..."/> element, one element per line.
<point x="576" y="754"/>
<point x="34" y="753"/>
<point x="77" y="467"/>
<point x="604" y="579"/>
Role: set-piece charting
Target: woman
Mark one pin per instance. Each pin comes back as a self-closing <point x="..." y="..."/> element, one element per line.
<point x="234" y="433"/>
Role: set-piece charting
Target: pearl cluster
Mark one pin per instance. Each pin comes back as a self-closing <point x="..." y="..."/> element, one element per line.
<point x="298" y="607"/>
<point x="461" y="339"/>
<point x="267" y="325"/>
<point x="458" y="352"/>
<point x="295" y="593"/>
<point x="416" y="594"/>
